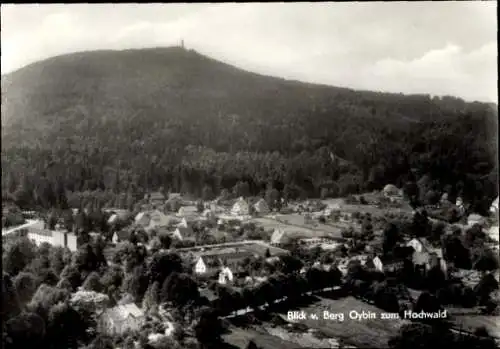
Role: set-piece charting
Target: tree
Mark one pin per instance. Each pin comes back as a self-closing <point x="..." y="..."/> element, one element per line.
<point x="427" y="303"/>
<point x="268" y="253"/>
<point x="46" y="297"/>
<point x="391" y="237"/>
<point x="26" y="285"/>
<point x="26" y="330"/>
<point x="485" y="287"/>
<point x="58" y="258"/>
<point x="251" y="345"/>
<point x="272" y="198"/>
<point x="11" y="306"/>
<point x="18" y="256"/>
<point x="486" y="261"/>
<point x="241" y="189"/>
<point x="208" y="329"/>
<point x="152" y="297"/>
<point x="65" y="327"/>
<point x="93" y="283"/>
<point x="136" y="283"/>
<point x="199" y="206"/>
<point x="179" y="289"/>
<point x="162" y="265"/>
<point x="72" y="275"/>
<point x="290" y="264"/>
<point x="207" y="193"/>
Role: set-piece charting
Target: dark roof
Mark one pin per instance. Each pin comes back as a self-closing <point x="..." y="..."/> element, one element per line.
<point x="122" y="235"/>
<point x="185" y="231"/>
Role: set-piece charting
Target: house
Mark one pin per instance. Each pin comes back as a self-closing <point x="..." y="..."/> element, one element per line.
<point x="157" y="199"/>
<point x="119" y="236"/>
<point x="186" y="211"/>
<point x="40" y="236"/>
<point x="174" y="196"/>
<point x="186" y="222"/>
<point x="225" y="276"/>
<point x="426" y="256"/>
<point x="459" y="203"/>
<point x="261" y="207"/>
<point x="476" y="219"/>
<point x="142" y="218"/>
<point x="390" y="190"/>
<point x="113" y="219"/>
<point x="158" y="220"/>
<point x="61" y="238"/>
<point x="208" y="215"/>
<point x="122" y="319"/>
<point x="384" y="265"/>
<point x="182" y="232"/>
<point x="444" y="199"/>
<point x="494" y="207"/>
<point x="493" y="233"/>
<point x="419" y="245"/>
<point x="200" y="267"/>
<point x="240" y="208"/>
<point x="278" y="237"/>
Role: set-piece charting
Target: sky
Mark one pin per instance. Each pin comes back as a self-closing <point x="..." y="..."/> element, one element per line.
<point x="439" y="48"/>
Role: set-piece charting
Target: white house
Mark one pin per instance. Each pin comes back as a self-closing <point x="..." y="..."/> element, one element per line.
<point x="182" y="232"/>
<point x="493" y="233"/>
<point x="460" y="205"/>
<point x="261" y="207"/>
<point x="61" y="238"/>
<point x="225" y="276"/>
<point x="384" y="265"/>
<point x="122" y="319"/>
<point x="278" y="236"/>
<point x="142" y="218"/>
<point x="476" y="219"/>
<point x="39" y="236"/>
<point x="113" y="218"/>
<point x="417" y="244"/>
<point x="494" y="207"/>
<point x="200" y="267"/>
<point x="240" y="208"/>
<point x="390" y="190"/>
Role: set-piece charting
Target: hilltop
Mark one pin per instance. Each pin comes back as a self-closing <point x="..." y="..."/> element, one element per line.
<point x="175" y="118"/>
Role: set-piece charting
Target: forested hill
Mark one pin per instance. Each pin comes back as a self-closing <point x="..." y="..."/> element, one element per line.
<point x="137" y="120"/>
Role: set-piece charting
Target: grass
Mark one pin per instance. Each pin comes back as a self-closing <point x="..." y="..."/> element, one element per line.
<point x="239" y="337"/>
<point x="373" y="333"/>
<point x="471" y="319"/>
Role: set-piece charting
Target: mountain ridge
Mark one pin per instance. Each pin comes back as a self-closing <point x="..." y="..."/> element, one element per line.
<point x="154" y="113"/>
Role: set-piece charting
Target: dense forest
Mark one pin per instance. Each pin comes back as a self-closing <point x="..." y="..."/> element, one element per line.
<point x="123" y="123"/>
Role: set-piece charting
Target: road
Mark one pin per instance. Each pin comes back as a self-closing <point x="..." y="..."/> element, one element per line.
<point x="29" y="223"/>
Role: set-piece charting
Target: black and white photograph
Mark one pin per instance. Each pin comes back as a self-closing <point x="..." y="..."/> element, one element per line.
<point x="250" y="175"/>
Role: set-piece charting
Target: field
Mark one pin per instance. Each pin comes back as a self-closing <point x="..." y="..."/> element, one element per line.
<point x="360" y="333"/>
<point x="469" y="320"/>
<point x="239" y="337"/>
<point x="295" y="225"/>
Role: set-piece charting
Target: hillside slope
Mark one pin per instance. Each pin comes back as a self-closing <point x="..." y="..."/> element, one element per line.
<point x="148" y="115"/>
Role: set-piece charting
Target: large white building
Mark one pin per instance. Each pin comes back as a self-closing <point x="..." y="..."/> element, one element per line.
<point x="61" y="238"/>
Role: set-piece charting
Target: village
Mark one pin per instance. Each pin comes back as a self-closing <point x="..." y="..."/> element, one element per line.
<point x="230" y="246"/>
